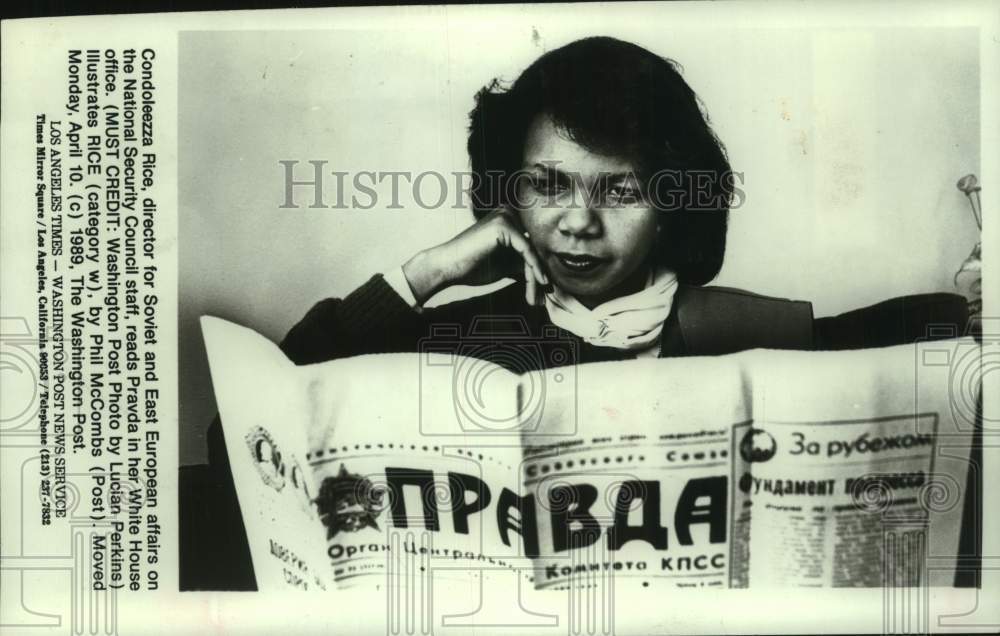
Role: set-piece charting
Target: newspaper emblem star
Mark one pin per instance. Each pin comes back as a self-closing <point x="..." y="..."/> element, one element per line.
<point x="349" y="503"/>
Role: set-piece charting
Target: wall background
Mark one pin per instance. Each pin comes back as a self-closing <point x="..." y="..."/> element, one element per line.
<point x="851" y="141"/>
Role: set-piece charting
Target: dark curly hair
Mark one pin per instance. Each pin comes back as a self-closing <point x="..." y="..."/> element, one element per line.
<point x="619" y="99"/>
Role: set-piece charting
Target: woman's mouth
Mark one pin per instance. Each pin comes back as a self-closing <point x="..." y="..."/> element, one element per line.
<point x="579" y="263"/>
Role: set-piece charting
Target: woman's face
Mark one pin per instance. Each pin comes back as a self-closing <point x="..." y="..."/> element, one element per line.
<point x="586" y="215"/>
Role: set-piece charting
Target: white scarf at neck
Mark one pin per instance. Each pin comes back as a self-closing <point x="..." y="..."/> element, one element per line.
<point x="630" y="322"/>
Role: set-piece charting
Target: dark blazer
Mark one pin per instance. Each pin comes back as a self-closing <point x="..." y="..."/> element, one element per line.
<point x="375" y="319"/>
<point x="703" y="321"/>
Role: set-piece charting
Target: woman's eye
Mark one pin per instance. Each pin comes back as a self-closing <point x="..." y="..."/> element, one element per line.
<point x="624" y="195"/>
<point x="547" y="186"/>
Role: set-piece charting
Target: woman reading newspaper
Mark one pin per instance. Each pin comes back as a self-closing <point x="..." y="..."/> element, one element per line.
<point x="601" y="189"/>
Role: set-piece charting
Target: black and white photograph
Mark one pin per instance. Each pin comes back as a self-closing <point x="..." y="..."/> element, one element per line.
<point x="555" y="192"/>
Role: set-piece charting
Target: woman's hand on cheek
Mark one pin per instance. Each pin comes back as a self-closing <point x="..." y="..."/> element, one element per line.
<point x="492" y="249"/>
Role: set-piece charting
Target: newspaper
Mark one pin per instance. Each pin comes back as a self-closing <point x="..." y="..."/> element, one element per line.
<point x="264" y="166"/>
<point x="760" y="469"/>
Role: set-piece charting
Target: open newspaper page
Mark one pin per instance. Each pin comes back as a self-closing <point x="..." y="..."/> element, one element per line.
<point x="378" y="487"/>
<point x="259" y="396"/>
<point x="853" y="469"/>
<point x="636" y="488"/>
<point x="760" y="469"/>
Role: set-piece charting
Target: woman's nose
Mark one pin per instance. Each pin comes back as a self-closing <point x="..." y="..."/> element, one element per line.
<point x="580" y="220"/>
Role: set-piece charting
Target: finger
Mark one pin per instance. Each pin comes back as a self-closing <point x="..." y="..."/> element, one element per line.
<point x="524" y="248"/>
<point x="540" y="295"/>
<point x="513" y="235"/>
<point x="530" y="284"/>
